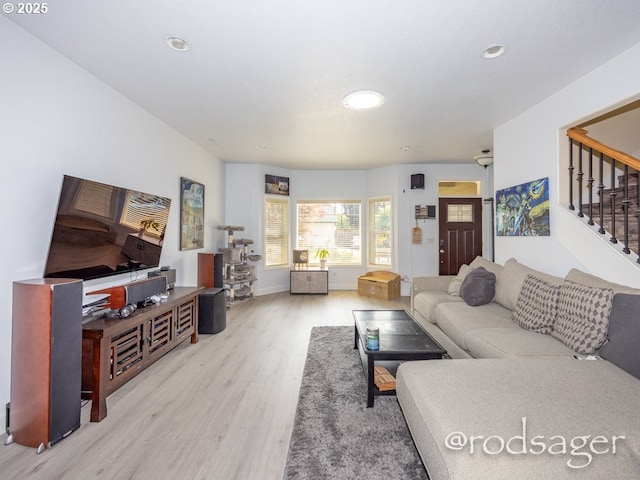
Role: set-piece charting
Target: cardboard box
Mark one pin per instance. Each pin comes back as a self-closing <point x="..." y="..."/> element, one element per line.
<point x="379" y="284"/>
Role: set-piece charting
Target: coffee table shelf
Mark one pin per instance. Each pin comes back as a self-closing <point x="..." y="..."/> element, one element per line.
<point x="401" y="339"/>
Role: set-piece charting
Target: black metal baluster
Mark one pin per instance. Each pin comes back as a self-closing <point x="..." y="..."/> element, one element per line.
<point x="601" y="194"/>
<point x="579" y="176"/>
<point x="626" y="201"/>
<point x="613" y="195"/>
<point x="590" y="187"/>
<point x="571" y="169"/>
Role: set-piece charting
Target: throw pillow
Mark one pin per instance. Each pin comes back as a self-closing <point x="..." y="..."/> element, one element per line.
<point x="537" y="305"/>
<point x="622" y="347"/>
<point x="583" y="317"/>
<point x="478" y="287"/>
<point x="456" y="283"/>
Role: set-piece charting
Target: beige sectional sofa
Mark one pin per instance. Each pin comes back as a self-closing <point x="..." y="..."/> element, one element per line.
<point x="517" y="403"/>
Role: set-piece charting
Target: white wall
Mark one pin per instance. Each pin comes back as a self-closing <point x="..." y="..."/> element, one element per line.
<point x="56" y="119"/>
<point x="532" y="146"/>
<point x="245" y="206"/>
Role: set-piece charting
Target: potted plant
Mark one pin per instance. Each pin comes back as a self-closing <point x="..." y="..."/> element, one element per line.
<point x="322" y="254"/>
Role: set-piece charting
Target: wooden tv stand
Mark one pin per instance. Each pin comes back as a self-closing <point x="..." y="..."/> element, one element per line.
<point x="114" y="350"/>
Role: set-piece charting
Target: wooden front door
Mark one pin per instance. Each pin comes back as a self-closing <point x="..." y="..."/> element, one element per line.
<point x="460" y="232"/>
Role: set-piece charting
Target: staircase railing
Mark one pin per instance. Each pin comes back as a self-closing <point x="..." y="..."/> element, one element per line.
<point x="605" y="214"/>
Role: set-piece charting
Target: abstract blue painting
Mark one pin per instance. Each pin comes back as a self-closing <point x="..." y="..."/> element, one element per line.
<point x="523" y="210"/>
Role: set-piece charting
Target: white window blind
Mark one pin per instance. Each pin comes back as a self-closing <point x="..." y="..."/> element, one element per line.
<point x="380" y="231"/>
<point x="334" y="226"/>
<point x="276" y="231"/>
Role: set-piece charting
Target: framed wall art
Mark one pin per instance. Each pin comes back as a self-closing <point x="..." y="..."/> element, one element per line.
<point x="523" y="210"/>
<point x="191" y="214"/>
<point x="276" y="185"/>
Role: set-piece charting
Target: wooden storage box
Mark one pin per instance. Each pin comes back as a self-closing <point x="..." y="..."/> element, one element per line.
<point x="379" y="284"/>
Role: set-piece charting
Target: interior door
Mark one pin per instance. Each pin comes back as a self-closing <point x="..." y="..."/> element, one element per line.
<point x="460" y="227"/>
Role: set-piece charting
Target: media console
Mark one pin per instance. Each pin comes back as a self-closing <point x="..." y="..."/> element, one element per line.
<point x="114" y="350"/>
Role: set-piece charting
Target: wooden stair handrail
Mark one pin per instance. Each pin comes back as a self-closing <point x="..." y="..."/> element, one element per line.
<point x="580" y="135"/>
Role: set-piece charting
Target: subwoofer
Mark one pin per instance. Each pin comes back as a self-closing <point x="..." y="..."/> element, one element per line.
<point x="212" y="311"/>
<point x="46" y="361"/>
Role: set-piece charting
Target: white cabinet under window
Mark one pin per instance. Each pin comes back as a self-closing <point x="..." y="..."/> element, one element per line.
<point x="309" y="281"/>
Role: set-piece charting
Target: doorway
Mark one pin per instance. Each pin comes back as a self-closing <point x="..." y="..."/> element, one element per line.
<point x="460" y="227"/>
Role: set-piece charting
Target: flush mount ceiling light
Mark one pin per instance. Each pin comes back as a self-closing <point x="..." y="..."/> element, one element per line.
<point x="494" y="51"/>
<point x="363" y="100"/>
<point x="484" y="159"/>
<point x="177" y="43"/>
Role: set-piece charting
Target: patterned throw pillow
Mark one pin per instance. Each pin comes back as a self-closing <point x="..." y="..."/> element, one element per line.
<point x="537" y="305"/>
<point x="583" y="317"/>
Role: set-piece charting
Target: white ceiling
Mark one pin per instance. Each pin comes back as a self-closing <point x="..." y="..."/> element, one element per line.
<point x="266" y="79"/>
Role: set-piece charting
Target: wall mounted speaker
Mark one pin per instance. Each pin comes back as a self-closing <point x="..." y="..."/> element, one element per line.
<point x="417" y="181"/>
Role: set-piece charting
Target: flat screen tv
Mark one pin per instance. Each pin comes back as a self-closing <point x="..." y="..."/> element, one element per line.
<point x="102" y="230"/>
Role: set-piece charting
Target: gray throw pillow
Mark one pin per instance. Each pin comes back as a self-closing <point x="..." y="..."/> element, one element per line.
<point x="583" y="317"/>
<point x="478" y="287"/>
<point x="537" y="305"/>
<point x="623" y="345"/>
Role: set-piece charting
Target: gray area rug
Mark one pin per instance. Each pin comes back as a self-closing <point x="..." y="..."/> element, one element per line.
<point x="335" y="435"/>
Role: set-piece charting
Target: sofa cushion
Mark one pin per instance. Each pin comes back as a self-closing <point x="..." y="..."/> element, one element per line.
<point x="511" y="278"/>
<point x="578" y="276"/>
<point x="583" y="316"/>
<point x="558" y="397"/>
<point x="454" y="286"/>
<point x="426" y="302"/>
<point x="623" y="344"/>
<point x="537" y="305"/>
<point x="480" y="261"/>
<point x="478" y="287"/>
<point x="514" y="342"/>
<point x="457" y="319"/>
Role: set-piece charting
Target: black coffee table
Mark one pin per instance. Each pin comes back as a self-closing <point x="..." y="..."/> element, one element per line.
<point x="401" y="339"/>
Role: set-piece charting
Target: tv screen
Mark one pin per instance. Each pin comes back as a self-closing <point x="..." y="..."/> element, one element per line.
<point x="103" y="230"/>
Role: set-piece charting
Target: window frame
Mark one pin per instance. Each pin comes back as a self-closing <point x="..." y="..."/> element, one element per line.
<point x="284" y="234"/>
<point x="372" y="232"/>
<point x="333" y="247"/>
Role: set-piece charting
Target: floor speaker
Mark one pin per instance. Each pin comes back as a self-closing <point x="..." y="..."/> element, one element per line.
<point x="218" y="265"/>
<point x="212" y="311"/>
<point x="46" y="361"/>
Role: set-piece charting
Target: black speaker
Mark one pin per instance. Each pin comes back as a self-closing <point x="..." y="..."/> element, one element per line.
<point x="46" y="361"/>
<point x="138" y="292"/>
<point x="218" y="264"/>
<point x="212" y="311"/>
<point x="417" y="181"/>
<point x="170" y="274"/>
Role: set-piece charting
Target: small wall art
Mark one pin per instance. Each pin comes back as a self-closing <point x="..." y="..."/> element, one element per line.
<point x="276" y="185"/>
<point x="191" y="214"/>
<point x="523" y="210"/>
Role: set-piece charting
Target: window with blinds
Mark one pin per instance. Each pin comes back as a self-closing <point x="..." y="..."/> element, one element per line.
<point x="334" y="226"/>
<point x="380" y="231"/>
<point x="276" y="231"/>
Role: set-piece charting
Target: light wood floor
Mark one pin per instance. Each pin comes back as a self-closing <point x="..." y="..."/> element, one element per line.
<point x="220" y="409"/>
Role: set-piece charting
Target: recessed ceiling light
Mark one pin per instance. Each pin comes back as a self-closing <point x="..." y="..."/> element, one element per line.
<point x="405" y="148"/>
<point x="494" y="51"/>
<point x="261" y="147"/>
<point x="177" y="43"/>
<point x="363" y="100"/>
